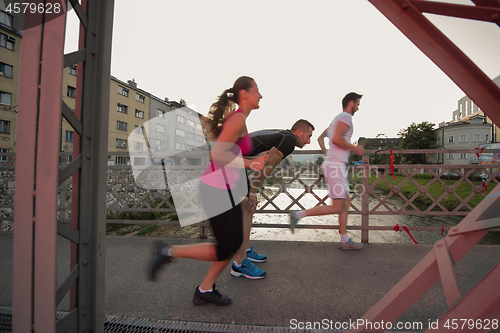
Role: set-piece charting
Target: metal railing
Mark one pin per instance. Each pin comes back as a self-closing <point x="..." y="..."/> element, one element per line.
<point x="128" y="203"/>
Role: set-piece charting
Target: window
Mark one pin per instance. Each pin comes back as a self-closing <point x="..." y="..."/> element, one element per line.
<point x="121" y="160"/>
<point x="4" y="126"/>
<point x="476" y="137"/>
<point x="5" y="98"/>
<point x="121" y="125"/>
<point x="199" y="138"/>
<point x="71" y="92"/>
<point x="450" y="139"/>
<point x="6" y="19"/>
<point x="5" y="70"/>
<point x="160" y="128"/>
<point x="138" y="129"/>
<point x="160" y="113"/>
<point x="438" y="141"/>
<point x="120" y="143"/>
<point x="122" y="108"/>
<point x="190" y="123"/>
<point x="471" y="106"/>
<point x="486" y="137"/>
<point x="460" y="113"/>
<point x="450" y="156"/>
<point x="70" y="158"/>
<point x="475" y="158"/>
<point x="7" y="42"/>
<point x="69" y="136"/>
<point x="123" y="91"/>
<point x="72" y="70"/>
<point x="180" y="132"/>
<point x="139" y="114"/>
<point x="139" y="98"/>
<point x="463" y="138"/>
<point x="180" y="146"/>
<point x="181" y="119"/>
<point x="198" y="126"/>
<point x="160" y="144"/>
<point x="190" y="136"/>
<point x="138" y="145"/>
<point x="4" y="158"/>
<point x="467" y="108"/>
<point x="463" y="156"/>
<point x="139" y="161"/>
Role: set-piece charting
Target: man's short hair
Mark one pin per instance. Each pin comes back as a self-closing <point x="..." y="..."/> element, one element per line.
<point x="302" y="124"/>
<point x="352" y="96"/>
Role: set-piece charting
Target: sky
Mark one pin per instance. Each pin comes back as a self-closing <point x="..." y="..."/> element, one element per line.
<point x="304" y="56"/>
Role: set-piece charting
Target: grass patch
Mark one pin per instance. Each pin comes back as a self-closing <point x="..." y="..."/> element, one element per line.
<point x="435" y="190"/>
<point x="147" y="230"/>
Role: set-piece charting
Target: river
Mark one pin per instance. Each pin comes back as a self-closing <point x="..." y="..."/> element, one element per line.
<point x="325" y="235"/>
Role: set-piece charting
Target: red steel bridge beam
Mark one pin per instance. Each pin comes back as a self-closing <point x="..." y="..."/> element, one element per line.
<point x="407" y="16"/>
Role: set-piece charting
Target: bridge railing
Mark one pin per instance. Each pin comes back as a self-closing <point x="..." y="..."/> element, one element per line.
<point x="425" y="190"/>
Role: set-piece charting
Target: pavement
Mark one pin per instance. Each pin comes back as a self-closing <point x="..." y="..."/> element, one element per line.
<point x="306" y="282"/>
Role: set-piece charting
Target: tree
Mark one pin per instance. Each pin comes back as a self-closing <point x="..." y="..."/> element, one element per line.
<point x="319" y="160"/>
<point x="417" y="136"/>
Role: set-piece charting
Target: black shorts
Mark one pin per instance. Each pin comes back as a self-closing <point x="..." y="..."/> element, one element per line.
<point x="227" y="226"/>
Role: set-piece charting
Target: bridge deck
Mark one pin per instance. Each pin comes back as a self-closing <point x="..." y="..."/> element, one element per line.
<point x="306" y="282"/>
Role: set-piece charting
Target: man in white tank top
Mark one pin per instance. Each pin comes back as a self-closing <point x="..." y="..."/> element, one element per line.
<point x="334" y="168"/>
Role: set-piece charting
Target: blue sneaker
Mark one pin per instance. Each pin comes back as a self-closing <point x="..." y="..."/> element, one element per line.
<point x="158" y="259"/>
<point x="248" y="270"/>
<point x="293" y="221"/>
<point x="253" y="256"/>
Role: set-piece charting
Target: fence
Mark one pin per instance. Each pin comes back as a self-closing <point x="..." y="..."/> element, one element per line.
<point x="465" y="184"/>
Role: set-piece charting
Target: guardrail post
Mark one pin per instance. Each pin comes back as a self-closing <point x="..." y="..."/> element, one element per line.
<point x="365" y="197"/>
<point x="204" y="229"/>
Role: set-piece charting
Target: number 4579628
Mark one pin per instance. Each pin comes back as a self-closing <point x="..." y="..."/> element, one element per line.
<point x="478" y="324"/>
<point x="31" y="7"/>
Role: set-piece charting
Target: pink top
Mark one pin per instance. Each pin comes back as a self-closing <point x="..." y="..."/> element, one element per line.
<point x="228" y="179"/>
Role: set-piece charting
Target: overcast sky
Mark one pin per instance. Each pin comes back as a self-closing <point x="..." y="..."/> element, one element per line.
<point x="304" y="56"/>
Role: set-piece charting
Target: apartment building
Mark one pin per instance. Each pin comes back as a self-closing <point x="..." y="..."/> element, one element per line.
<point x="10" y="59"/>
<point x="68" y="98"/>
<point x="468" y="134"/>
<point x="128" y="110"/>
<point x="160" y="128"/>
<point x="467" y="108"/>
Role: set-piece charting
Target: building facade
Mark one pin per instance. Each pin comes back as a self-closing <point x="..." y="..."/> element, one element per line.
<point x="128" y="110"/>
<point x="68" y="98"/>
<point x="379" y="143"/>
<point x="10" y="59"/>
<point x="468" y="134"/>
<point x="467" y="108"/>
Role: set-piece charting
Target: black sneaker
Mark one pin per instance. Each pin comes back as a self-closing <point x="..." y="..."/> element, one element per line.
<point x="213" y="297"/>
<point x="158" y="259"/>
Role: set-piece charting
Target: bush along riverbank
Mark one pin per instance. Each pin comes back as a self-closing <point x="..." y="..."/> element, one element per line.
<point x="435" y="190"/>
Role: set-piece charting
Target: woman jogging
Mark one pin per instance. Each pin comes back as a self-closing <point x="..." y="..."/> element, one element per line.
<point x="225" y="178"/>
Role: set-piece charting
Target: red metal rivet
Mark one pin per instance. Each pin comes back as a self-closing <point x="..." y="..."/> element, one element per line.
<point x="405" y="5"/>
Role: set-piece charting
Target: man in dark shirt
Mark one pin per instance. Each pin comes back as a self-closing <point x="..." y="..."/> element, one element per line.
<point x="279" y="144"/>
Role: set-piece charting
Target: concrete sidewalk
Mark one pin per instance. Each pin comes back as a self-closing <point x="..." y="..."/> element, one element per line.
<point x="306" y="282"/>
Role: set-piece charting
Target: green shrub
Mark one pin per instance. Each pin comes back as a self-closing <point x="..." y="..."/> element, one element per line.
<point x="147" y="230"/>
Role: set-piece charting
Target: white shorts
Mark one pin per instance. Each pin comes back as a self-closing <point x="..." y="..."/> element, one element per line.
<point x="336" y="178"/>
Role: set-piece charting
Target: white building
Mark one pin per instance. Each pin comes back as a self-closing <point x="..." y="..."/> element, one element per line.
<point x="467" y="108"/>
<point x="468" y="134"/>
